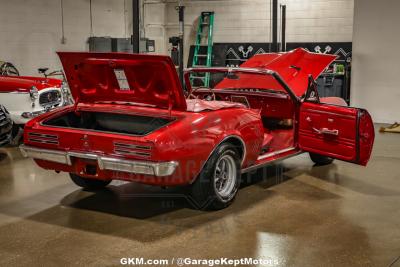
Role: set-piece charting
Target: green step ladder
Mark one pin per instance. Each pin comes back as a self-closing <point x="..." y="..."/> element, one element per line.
<point x="200" y="57"/>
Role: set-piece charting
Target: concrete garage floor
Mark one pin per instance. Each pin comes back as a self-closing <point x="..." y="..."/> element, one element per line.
<point x="338" y="215"/>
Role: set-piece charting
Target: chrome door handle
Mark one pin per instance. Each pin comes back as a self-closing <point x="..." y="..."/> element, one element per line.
<point x="327" y="131"/>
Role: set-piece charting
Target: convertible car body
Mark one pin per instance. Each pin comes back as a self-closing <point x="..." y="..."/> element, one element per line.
<point x="132" y="121"/>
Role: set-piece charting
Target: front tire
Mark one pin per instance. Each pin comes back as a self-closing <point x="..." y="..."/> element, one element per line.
<point x="320" y="160"/>
<point x="90" y="184"/>
<point x="219" y="181"/>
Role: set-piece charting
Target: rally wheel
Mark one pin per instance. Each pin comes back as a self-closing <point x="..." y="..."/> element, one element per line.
<point x="218" y="183"/>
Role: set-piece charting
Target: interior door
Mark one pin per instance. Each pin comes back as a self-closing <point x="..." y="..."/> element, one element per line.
<point x="339" y="132"/>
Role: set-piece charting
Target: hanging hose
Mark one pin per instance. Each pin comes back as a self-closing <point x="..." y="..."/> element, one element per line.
<point x="63" y="40"/>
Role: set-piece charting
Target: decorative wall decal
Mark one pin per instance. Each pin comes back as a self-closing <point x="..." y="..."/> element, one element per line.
<point x="231" y="53"/>
<point x="328" y="49"/>
<point x="260" y="51"/>
<point x="341" y="49"/>
<point x="342" y="53"/>
<point x="246" y="53"/>
<point x="232" y="58"/>
<point x="235" y="54"/>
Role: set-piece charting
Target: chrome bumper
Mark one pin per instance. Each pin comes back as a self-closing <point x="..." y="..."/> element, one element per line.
<point x="105" y="163"/>
<point x="30" y="115"/>
<point x="34" y="114"/>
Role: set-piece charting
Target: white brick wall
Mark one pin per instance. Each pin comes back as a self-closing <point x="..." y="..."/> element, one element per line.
<point x="155" y="24"/>
<point x="319" y="20"/>
<point x="375" y="67"/>
<point x="250" y="20"/>
<point x="31" y="29"/>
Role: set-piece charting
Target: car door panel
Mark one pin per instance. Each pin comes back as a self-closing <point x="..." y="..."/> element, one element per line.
<point x="366" y="137"/>
<point x="339" y="132"/>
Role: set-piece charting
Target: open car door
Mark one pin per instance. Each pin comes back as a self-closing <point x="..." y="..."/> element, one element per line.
<point x="335" y="131"/>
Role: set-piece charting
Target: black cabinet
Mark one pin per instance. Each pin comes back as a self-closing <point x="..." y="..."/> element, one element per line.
<point x="331" y="84"/>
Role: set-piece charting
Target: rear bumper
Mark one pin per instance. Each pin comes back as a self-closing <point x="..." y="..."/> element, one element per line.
<point x="157" y="169"/>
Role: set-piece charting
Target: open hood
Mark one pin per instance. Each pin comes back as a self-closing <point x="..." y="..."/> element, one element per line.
<point x="294" y="66"/>
<point x="120" y="77"/>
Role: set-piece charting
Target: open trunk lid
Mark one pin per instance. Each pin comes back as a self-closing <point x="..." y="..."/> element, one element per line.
<point x="123" y="78"/>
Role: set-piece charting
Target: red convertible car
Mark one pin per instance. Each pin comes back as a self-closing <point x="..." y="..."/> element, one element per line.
<point x="133" y="121"/>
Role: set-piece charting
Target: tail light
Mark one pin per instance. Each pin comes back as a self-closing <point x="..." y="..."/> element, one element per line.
<point x="135" y="150"/>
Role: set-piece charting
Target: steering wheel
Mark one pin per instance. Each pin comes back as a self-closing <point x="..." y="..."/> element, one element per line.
<point x="192" y="96"/>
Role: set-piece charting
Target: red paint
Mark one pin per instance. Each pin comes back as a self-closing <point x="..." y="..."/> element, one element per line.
<point x="25" y="84"/>
<point x="315" y="117"/>
<point x="152" y="79"/>
<point x="366" y="137"/>
<point x="189" y="140"/>
<point x="294" y="67"/>
<point x="192" y="137"/>
<point x="355" y="132"/>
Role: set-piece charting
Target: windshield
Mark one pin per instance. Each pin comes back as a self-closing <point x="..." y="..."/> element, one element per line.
<point x="249" y="80"/>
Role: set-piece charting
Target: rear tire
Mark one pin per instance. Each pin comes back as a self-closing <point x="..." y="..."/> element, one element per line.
<point x="320" y="160"/>
<point x="218" y="183"/>
<point x="90" y="184"/>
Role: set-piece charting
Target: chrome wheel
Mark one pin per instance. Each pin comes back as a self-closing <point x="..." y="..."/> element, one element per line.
<point x="225" y="177"/>
<point x="219" y="181"/>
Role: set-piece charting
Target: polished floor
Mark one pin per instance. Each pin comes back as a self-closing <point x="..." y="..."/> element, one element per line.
<point x="293" y="213"/>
